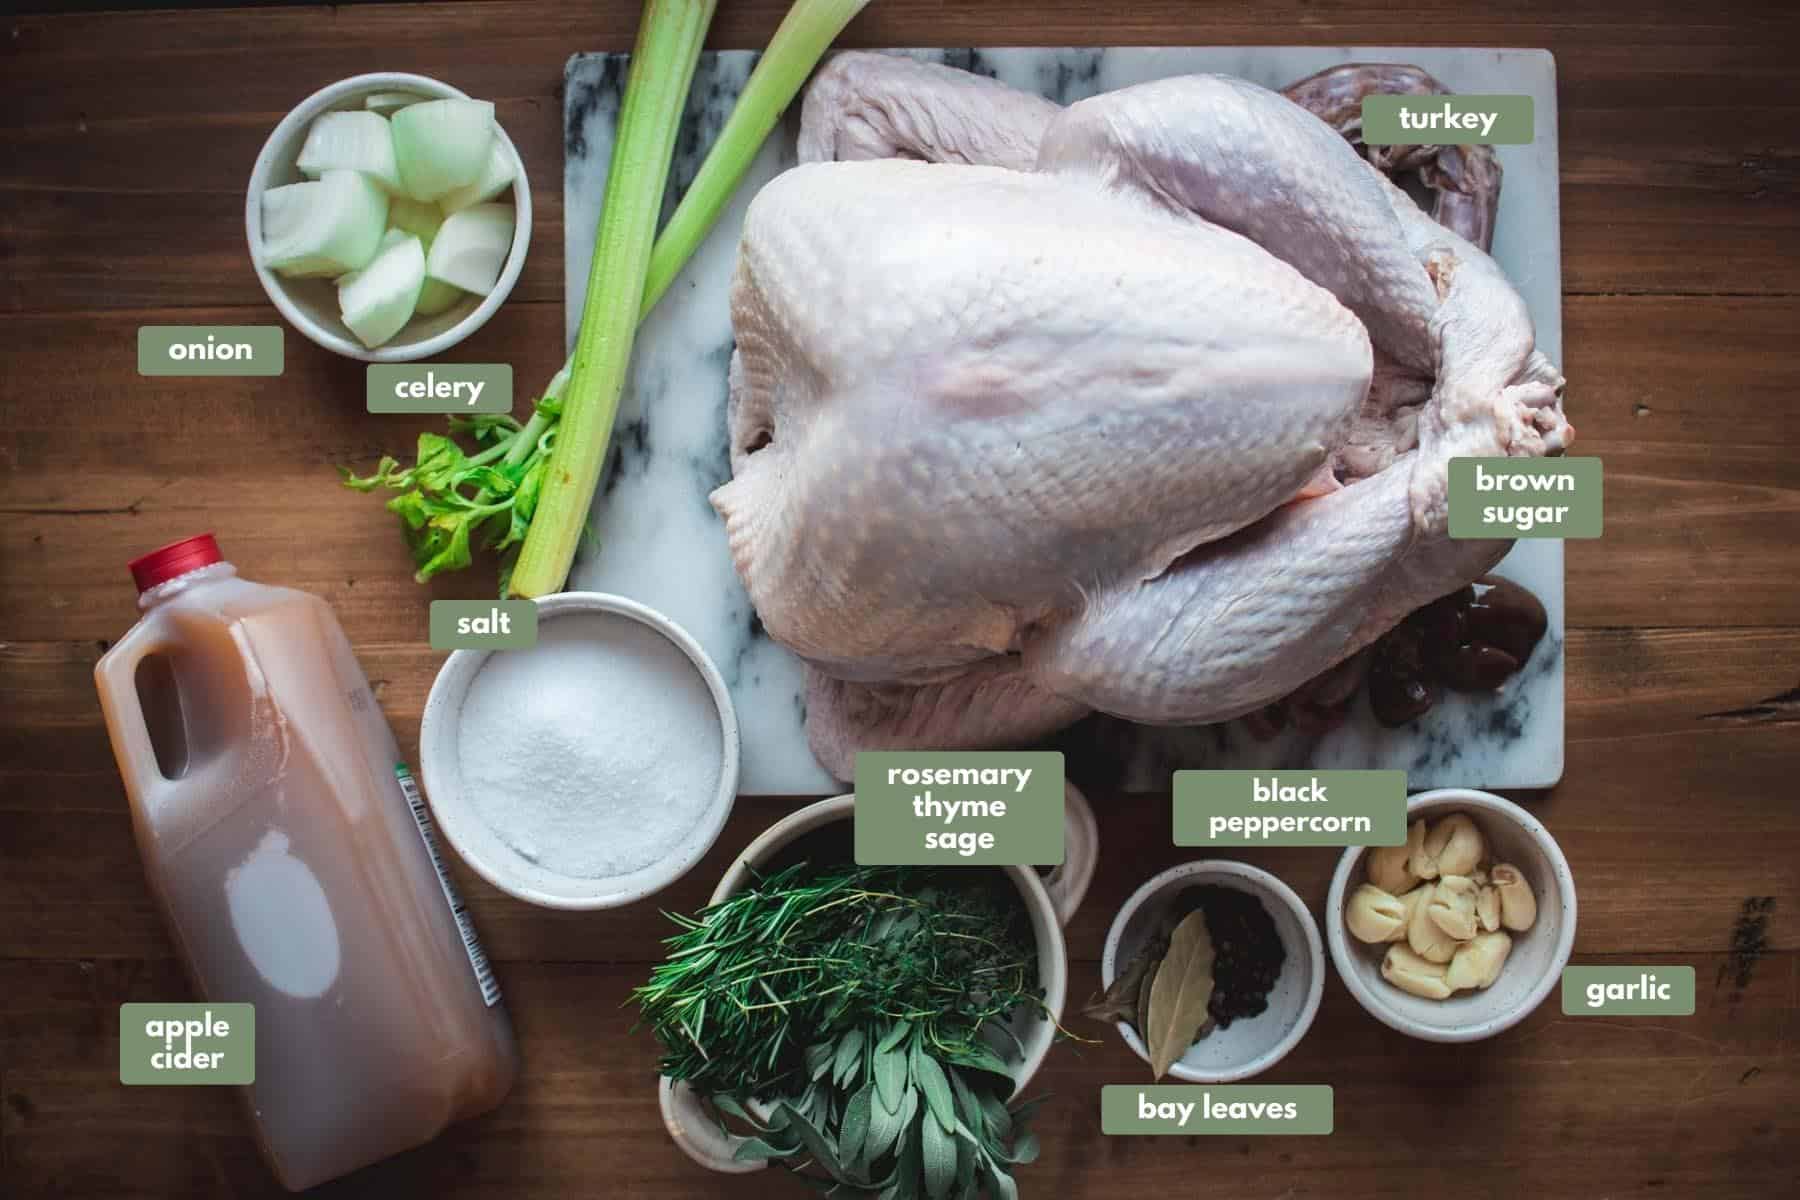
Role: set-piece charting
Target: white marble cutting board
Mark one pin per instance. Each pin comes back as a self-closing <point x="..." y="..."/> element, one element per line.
<point x="661" y="543"/>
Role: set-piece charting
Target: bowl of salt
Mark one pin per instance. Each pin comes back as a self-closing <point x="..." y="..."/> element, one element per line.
<point x="589" y="770"/>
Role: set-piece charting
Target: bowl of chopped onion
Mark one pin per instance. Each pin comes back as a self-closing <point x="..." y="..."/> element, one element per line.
<point x="388" y="216"/>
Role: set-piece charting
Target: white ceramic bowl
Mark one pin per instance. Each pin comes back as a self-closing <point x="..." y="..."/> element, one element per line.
<point x="1049" y="902"/>
<point x="1533" y="969"/>
<point x="488" y="855"/>
<point x="310" y="305"/>
<point x="1250" y="1045"/>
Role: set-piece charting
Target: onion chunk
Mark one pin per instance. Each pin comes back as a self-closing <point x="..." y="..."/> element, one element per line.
<point x="496" y="177"/>
<point x="379" y="299"/>
<point x="389" y="103"/>
<point x="324" y="227"/>
<point x="355" y="141"/>
<point x="471" y="247"/>
<point x="441" y="145"/>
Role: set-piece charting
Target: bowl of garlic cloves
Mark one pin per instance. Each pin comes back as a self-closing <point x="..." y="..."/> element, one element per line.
<point x="1462" y="930"/>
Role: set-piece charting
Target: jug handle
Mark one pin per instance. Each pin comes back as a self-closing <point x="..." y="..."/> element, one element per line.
<point x="117" y="678"/>
<point x="1068" y="883"/>
<point x="698" y="1132"/>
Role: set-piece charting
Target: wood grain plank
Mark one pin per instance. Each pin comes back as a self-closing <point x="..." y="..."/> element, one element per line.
<point x="1686" y="400"/>
<point x="1623" y="684"/>
<point x="1706" y="1104"/>
<point x="1660" y="194"/>
<point x="1656" y="788"/>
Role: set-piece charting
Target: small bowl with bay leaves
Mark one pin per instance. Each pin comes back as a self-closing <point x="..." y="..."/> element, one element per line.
<point x="1213" y="971"/>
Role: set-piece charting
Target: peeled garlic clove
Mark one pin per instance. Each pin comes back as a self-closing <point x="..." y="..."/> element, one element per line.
<point x="1406" y="855"/>
<point x="1411" y="903"/>
<point x="1373" y="915"/>
<point x="1452" y="907"/>
<point x="1423" y="934"/>
<point x="1518" y="906"/>
<point x="1388" y="868"/>
<point x="1455" y="844"/>
<point x="1477" y="963"/>
<point x="1420" y="860"/>
<point x="1487" y="907"/>
<point x="1410" y="973"/>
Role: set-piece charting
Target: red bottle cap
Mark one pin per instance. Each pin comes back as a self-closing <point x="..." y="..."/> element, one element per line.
<point x="176" y="558"/>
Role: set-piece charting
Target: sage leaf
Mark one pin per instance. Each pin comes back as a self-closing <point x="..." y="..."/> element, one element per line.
<point x="1179" y="995"/>
<point x="1002" y="1032"/>
<point x="890" y="1077"/>
<point x="966" y="1101"/>
<point x="968" y="1147"/>
<point x="999" y="1121"/>
<point x="816" y="1145"/>
<point x="909" y="1109"/>
<point x="731" y="1108"/>
<point x="819" y="1058"/>
<point x="849" y="1056"/>
<point x="884" y="1129"/>
<point x="1024" y="1150"/>
<point x="911" y="1167"/>
<point x="980" y="1058"/>
<point x="894" y="1036"/>
<point x="858" y="1115"/>
<point x="937" y="1154"/>
<point x="757" y="1150"/>
<point x="930" y="1079"/>
<point x="1024" y="1112"/>
<point x="1000" y="1184"/>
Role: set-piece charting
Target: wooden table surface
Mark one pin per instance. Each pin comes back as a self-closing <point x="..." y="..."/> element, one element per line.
<point x="125" y="141"/>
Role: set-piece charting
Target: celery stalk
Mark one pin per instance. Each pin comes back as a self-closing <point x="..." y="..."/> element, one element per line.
<point x="603" y="343"/>
<point x="806" y="33"/>
<point x="662" y="69"/>
<point x="572" y="425"/>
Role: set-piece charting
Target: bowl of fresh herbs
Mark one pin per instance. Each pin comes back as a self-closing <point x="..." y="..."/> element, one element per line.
<point x="866" y="1027"/>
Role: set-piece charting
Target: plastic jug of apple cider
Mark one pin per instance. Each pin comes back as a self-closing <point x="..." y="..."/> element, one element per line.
<point x="298" y="868"/>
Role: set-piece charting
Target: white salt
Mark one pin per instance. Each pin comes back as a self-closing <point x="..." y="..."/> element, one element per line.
<point x="596" y="752"/>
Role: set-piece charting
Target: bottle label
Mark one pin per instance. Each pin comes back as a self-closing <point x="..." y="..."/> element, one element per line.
<point x="421" y="815"/>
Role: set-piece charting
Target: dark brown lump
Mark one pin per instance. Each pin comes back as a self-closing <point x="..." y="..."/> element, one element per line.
<point x="1248" y="954"/>
<point x="1472" y="640"/>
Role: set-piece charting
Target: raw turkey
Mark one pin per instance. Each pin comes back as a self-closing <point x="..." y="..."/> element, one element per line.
<point x="1144" y="405"/>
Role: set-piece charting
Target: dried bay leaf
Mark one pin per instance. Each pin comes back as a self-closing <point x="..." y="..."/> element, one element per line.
<point x="1179" y="994"/>
<point x="1142" y="1020"/>
<point x="1120" y="1001"/>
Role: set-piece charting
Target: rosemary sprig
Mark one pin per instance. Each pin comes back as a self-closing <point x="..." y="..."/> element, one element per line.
<point x="825" y="953"/>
